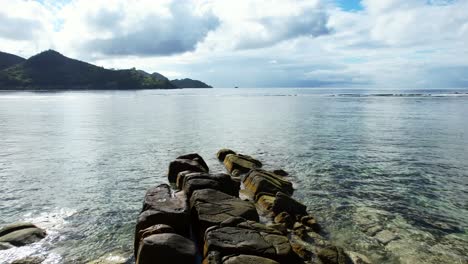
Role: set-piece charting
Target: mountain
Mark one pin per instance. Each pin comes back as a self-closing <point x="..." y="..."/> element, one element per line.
<point x="189" y="83"/>
<point x="52" y="70"/>
<point x="7" y="60"/>
<point x="159" y="76"/>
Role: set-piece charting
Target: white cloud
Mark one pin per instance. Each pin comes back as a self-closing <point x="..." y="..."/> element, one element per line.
<point x="390" y="43"/>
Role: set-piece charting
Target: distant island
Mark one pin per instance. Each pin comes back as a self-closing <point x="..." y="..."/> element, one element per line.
<point x="50" y="70"/>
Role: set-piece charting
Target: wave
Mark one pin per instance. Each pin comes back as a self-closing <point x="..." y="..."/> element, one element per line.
<point x="53" y="222"/>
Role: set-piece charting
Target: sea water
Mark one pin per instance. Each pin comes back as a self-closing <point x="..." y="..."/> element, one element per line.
<point x="384" y="171"/>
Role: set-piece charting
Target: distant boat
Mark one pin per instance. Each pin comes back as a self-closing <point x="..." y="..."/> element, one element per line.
<point x="236" y="87"/>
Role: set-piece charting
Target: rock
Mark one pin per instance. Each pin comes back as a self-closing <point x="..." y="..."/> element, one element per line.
<point x="180" y="165"/>
<point x="265" y="201"/>
<point x="357" y="258"/>
<point x="211" y="207"/>
<point x="222" y="153"/>
<point x="112" y="258"/>
<point x="373" y="230"/>
<point x="301" y="250"/>
<point x="284" y="218"/>
<point x="260" y="181"/>
<point x="333" y="255"/>
<point x="197" y="158"/>
<point x="310" y="221"/>
<point x="280" y="227"/>
<point x="235" y="240"/>
<point x="160" y="197"/>
<point x="219" y="181"/>
<point x="20" y="234"/>
<point x="180" y="178"/>
<point x="247" y="259"/>
<point x="281" y="172"/>
<point x="284" y="203"/>
<point x="160" y="207"/>
<point x="212" y="257"/>
<point x="156" y="229"/>
<point x="30" y="260"/>
<point x="4" y="246"/>
<point x="242" y="163"/>
<point x="385" y="237"/>
<point x="166" y="248"/>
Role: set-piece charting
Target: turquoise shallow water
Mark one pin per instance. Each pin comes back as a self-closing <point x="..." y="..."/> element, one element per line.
<point x="371" y="165"/>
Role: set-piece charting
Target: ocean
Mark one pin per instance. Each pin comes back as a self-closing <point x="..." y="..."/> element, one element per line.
<point x="384" y="171"/>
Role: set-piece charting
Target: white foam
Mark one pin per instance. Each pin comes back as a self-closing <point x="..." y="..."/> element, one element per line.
<point x="53" y="222"/>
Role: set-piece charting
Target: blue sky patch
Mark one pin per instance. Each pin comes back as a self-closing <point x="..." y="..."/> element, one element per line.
<point x="350" y="5"/>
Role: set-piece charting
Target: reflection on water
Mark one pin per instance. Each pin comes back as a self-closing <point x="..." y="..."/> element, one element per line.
<point x="386" y="174"/>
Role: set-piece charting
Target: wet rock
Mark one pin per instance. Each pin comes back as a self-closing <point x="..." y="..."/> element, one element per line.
<point x="284" y="218"/>
<point x="20" y="234"/>
<point x="242" y="163"/>
<point x="197" y="158"/>
<point x="166" y="248"/>
<point x="180" y="165"/>
<point x="281" y="172"/>
<point x="357" y="258"/>
<point x="333" y="255"/>
<point x="284" y="203"/>
<point x="373" y="230"/>
<point x="4" y="246"/>
<point x="247" y="259"/>
<point x="180" y="178"/>
<point x="212" y="257"/>
<point x="112" y="258"/>
<point x="156" y="229"/>
<point x="160" y="207"/>
<point x="30" y="260"/>
<point x="265" y="202"/>
<point x="218" y="181"/>
<point x="235" y="240"/>
<point x="260" y="181"/>
<point x="280" y="227"/>
<point x="222" y="153"/>
<point x="385" y="237"/>
<point x="301" y="250"/>
<point x="310" y="221"/>
<point x="211" y="207"/>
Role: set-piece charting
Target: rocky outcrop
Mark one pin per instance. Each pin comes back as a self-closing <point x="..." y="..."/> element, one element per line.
<point x="217" y="181"/>
<point x="261" y="181"/>
<point x="20" y="234"/>
<point x="166" y="248"/>
<point x="180" y="165"/>
<point x="207" y="213"/>
<point x="236" y="240"/>
<point x="161" y="207"/>
<point x="211" y="207"/>
<point x="222" y="153"/>
<point x="238" y="163"/>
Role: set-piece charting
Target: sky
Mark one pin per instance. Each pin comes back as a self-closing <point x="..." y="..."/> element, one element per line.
<point x="254" y="43"/>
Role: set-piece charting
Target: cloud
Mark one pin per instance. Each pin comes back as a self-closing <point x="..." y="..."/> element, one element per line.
<point x="141" y="28"/>
<point x="386" y="43"/>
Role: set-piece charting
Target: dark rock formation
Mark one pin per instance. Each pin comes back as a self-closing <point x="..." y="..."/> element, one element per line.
<point x="20" y="234"/>
<point x="333" y="255"/>
<point x="240" y="163"/>
<point x="210" y="207"/>
<point x="260" y="181"/>
<point x="166" y="248"/>
<point x="160" y="207"/>
<point x="218" y="181"/>
<point x="284" y="203"/>
<point x="222" y="153"/>
<point x="197" y="158"/>
<point x="236" y="240"/>
<point x="180" y="165"/>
